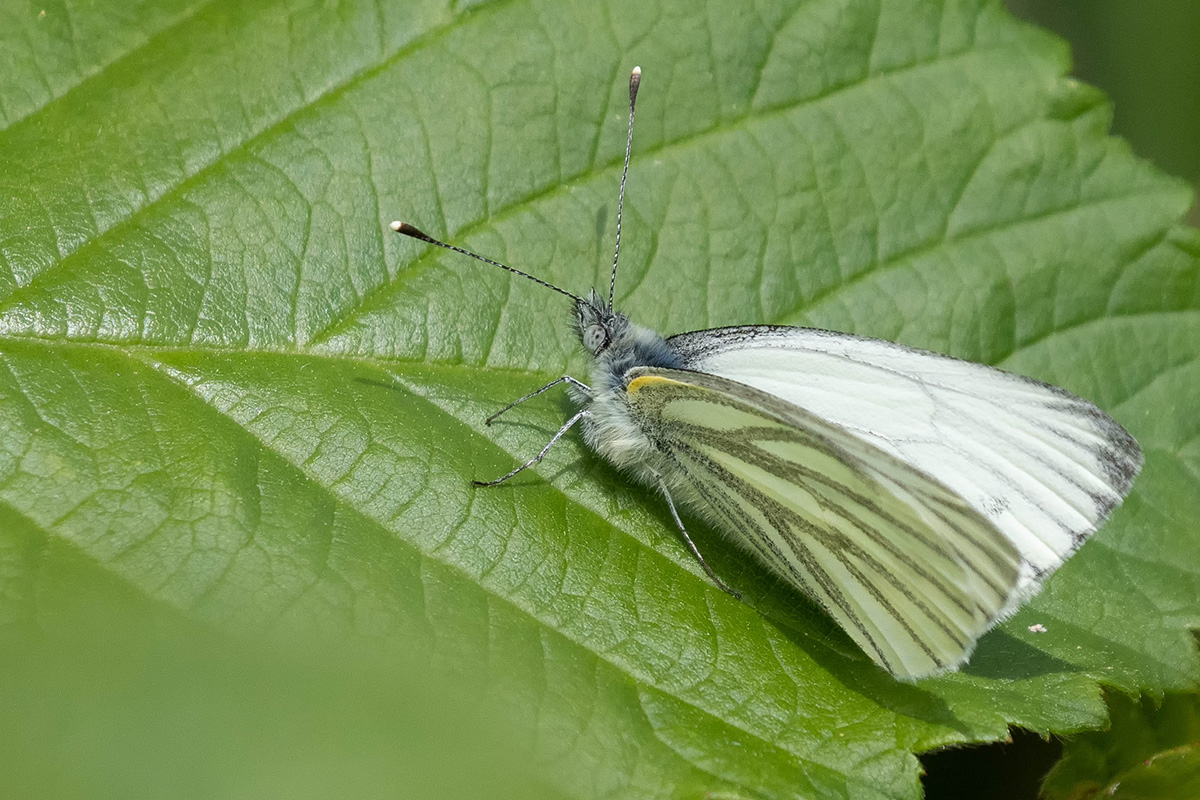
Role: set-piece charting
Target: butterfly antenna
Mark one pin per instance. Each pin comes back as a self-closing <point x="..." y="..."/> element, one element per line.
<point x="635" y="80"/>
<point x="416" y="233"/>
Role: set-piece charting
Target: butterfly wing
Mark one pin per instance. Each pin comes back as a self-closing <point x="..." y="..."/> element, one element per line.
<point x="1045" y="467"/>
<point x="913" y="573"/>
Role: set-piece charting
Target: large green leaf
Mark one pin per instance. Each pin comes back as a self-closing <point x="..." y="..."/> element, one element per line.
<point x="228" y="390"/>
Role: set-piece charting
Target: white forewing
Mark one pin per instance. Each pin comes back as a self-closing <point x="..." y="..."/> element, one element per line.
<point x="1045" y="467"/>
<point x="910" y="570"/>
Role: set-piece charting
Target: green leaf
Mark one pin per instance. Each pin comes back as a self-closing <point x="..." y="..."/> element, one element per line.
<point x="1149" y="750"/>
<point x="226" y="389"/>
<point x="1174" y="775"/>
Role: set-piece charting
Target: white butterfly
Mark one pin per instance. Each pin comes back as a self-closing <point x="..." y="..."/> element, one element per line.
<point x="918" y="498"/>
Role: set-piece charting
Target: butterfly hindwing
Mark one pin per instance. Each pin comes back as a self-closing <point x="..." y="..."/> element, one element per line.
<point x="912" y="572"/>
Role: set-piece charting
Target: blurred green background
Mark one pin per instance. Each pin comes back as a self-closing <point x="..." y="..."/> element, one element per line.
<point x="1145" y="55"/>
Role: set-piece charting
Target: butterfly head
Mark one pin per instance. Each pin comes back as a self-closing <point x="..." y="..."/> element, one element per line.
<point x="597" y="325"/>
<point x="616" y="344"/>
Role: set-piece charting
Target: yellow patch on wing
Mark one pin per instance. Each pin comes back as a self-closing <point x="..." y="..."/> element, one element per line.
<point x="651" y="381"/>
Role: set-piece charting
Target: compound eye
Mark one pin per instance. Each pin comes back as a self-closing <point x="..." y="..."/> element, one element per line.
<point x="595" y="338"/>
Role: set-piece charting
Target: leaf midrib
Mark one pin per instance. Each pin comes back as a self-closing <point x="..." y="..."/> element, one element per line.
<point x="138" y="350"/>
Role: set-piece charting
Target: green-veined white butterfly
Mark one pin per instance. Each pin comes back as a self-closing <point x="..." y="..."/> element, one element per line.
<point x="918" y="498"/>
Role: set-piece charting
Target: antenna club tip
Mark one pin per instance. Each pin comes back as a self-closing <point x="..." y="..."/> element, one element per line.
<point x="637" y="72"/>
<point x="408" y="230"/>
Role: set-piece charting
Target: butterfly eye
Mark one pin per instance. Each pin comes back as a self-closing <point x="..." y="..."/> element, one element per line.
<point x="595" y="339"/>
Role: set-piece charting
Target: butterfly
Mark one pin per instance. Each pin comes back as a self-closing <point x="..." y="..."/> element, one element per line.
<point x="918" y="498"/>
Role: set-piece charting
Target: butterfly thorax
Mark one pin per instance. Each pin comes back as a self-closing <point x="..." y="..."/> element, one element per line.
<point x="617" y="346"/>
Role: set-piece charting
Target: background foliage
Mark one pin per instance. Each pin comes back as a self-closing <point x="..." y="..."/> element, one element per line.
<point x="1146" y="58"/>
<point x="238" y="421"/>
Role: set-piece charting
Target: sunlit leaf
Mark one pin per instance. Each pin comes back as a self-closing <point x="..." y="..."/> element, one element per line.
<point x="229" y="392"/>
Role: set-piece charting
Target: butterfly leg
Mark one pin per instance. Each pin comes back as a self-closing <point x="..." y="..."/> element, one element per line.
<point x="570" y="423"/>
<point x="662" y="485"/>
<point x="531" y="395"/>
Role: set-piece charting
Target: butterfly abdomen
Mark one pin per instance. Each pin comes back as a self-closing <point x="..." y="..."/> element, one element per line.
<point x="612" y="431"/>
